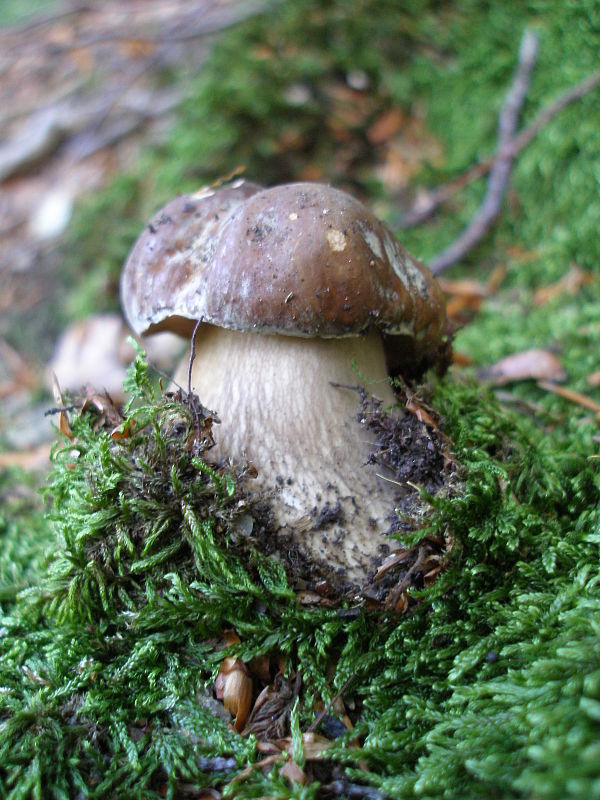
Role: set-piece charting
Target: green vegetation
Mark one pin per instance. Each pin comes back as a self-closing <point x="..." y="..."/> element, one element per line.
<point x="113" y="611"/>
<point x="17" y="11"/>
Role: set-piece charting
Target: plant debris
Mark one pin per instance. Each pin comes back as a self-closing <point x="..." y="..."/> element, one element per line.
<point x="573" y="396"/>
<point x="535" y="364"/>
<point x="570" y="283"/>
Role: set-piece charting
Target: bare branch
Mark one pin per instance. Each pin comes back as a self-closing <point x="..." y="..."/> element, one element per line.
<point x="426" y="206"/>
<point x="502" y="165"/>
<point x="543" y="117"/>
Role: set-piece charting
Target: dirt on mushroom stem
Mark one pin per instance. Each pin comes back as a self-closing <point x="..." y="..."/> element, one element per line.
<point x="323" y="536"/>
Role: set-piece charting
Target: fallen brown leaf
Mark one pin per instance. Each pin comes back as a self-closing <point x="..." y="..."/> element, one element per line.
<point x="293" y="773"/>
<point x="385" y="126"/>
<point x="28" y="460"/>
<point x="269" y="717"/>
<point x="463" y="287"/>
<point x="571" y="395"/>
<point x="63" y="420"/>
<point x="461" y="359"/>
<point x="233" y="685"/>
<point x="535" y="364"/>
<point x="570" y="283"/>
<point x="391" y="561"/>
<point x="313" y="744"/>
<point x="306" y="598"/>
<point x="458" y="307"/>
<point x="421" y="414"/>
<point x="594" y="379"/>
<point x="22" y="375"/>
<point x="468" y="294"/>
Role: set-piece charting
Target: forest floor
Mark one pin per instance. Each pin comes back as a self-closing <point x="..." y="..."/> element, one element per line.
<point x="118" y="640"/>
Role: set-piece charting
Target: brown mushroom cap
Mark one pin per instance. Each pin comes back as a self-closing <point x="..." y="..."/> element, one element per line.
<point x="300" y="259"/>
<point x="163" y="277"/>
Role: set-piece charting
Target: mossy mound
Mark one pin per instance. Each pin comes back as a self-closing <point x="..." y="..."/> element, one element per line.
<point x="108" y="659"/>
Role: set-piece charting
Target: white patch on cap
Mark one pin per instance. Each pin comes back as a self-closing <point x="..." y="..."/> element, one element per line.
<point x="337" y="240"/>
<point x="405" y="268"/>
<point x="245" y="287"/>
<point x="203" y="193"/>
<point x="372" y="240"/>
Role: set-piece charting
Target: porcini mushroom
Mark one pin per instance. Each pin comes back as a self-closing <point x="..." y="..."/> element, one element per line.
<point x="302" y="293"/>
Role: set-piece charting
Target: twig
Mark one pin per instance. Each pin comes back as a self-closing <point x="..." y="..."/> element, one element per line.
<point x="571" y="395"/>
<point x="321" y="715"/>
<point x="396" y="592"/>
<point x="30" y="25"/>
<point x="437" y="197"/>
<point x="544" y="116"/>
<point x="192" y="357"/>
<point x="179" y="33"/>
<point x="501" y="168"/>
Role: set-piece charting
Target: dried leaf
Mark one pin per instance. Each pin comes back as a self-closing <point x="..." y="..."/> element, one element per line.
<point x="63" y="420"/>
<point x="123" y="431"/>
<point x="461" y="359"/>
<point x="421" y="414"/>
<point x="233" y="684"/>
<point x="307" y="598"/>
<point x="467" y="294"/>
<point x="87" y="352"/>
<point x="571" y="395"/>
<point x="313" y="744"/>
<point x="293" y="773"/>
<point x="458" y="307"/>
<point x="237" y="694"/>
<point x="268" y="748"/>
<point x="536" y="364"/>
<point x="594" y="379"/>
<point x="269" y="717"/>
<point x="386" y="126"/>
<point x="570" y="283"/>
<point x="28" y="460"/>
<point x="463" y="288"/>
<point x="401" y="604"/>
<point x="391" y="561"/>
<point x="22" y="376"/>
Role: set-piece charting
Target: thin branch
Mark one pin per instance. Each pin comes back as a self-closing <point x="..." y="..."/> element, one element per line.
<point x="180" y="32"/>
<point x="322" y="714"/>
<point x="45" y="20"/>
<point x="502" y="166"/>
<point x="529" y="132"/>
<point x="436" y="197"/>
<point x="192" y="357"/>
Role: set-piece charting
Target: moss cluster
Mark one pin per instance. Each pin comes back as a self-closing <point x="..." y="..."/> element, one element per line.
<point x="488" y="686"/>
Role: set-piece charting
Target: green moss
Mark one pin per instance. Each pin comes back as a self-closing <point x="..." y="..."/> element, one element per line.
<point x="490" y="687"/>
<point x="25" y="537"/>
<point x="118" y="637"/>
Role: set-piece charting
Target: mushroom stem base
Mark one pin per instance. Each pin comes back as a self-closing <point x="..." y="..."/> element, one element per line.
<point x="280" y="409"/>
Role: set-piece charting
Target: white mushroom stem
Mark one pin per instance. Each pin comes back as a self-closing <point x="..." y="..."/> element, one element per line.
<point x="279" y="410"/>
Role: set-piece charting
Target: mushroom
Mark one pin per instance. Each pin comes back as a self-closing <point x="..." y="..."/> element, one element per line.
<point x="303" y="295"/>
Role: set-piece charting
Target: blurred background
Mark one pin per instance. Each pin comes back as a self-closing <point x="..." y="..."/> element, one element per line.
<point x="108" y="110"/>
